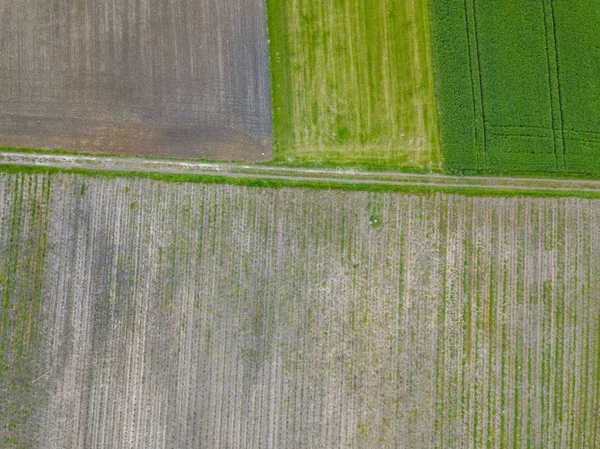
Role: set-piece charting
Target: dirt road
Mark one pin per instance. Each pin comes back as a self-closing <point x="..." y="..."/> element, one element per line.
<point x="343" y="176"/>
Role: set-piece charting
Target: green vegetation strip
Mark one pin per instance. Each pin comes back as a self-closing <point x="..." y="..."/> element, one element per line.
<point x="267" y="181"/>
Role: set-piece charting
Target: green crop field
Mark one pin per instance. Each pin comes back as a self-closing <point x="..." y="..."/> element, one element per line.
<point x="517" y="84"/>
<point x="352" y="82"/>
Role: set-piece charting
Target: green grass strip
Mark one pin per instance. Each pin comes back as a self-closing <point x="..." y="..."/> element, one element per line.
<point x="312" y="184"/>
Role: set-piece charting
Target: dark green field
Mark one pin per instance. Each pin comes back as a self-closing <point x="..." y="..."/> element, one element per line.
<point x="518" y="84"/>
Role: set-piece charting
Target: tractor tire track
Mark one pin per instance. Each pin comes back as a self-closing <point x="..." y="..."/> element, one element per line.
<point x="476" y="78"/>
<point x="554" y="84"/>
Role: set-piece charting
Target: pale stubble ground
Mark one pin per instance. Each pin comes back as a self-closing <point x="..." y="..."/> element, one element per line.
<point x="189" y="315"/>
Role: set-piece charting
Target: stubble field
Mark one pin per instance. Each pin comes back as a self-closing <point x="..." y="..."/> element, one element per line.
<point x="138" y="313"/>
<point x="174" y="78"/>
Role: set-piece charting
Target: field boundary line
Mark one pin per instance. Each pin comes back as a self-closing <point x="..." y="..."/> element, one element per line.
<point x="340" y="177"/>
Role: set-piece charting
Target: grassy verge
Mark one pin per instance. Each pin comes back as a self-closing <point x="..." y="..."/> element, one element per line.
<point x="311" y="184"/>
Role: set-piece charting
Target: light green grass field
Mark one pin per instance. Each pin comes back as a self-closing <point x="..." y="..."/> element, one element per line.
<point x="352" y="82"/>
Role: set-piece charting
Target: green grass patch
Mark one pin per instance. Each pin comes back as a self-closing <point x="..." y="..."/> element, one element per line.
<point x="311" y="184"/>
<point x="352" y="82"/>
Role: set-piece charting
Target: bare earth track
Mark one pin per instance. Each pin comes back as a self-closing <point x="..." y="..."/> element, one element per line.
<point x="342" y="176"/>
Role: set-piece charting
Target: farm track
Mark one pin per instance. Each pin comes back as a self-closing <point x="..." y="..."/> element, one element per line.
<point x="556" y="102"/>
<point x="313" y="175"/>
<point x="479" y="121"/>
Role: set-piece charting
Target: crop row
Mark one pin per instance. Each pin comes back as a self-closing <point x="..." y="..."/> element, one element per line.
<point x="192" y="315"/>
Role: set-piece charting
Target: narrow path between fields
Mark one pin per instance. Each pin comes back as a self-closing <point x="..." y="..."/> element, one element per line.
<point x="342" y="176"/>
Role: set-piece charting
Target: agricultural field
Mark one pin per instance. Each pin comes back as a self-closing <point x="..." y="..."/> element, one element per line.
<point x="517" y="84"/>
<point x="142" y="314"/>
<point x="174" y="78"/>
<point x="352" y="82"/>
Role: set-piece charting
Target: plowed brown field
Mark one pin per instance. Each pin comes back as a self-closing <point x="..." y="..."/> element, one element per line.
<point x="154" y="77"/>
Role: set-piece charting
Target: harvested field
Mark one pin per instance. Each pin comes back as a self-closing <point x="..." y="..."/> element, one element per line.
<point x="517" y="84"/>
<point x="144" y="314"/>
<point x="353" y="82"/>
<point x="173" y="78"/>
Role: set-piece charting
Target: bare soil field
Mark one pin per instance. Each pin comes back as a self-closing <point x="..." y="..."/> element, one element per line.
<point x="143" y="314"/>
<point x="173" y="78"/>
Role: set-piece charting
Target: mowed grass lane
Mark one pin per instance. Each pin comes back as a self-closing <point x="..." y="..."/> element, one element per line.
<point x="517" y="84"/>
<point x="352" y="82"/>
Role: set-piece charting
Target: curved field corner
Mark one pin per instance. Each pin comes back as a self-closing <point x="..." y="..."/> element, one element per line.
<point x="142" y="314"/>
<point x="517" y="84"/>
<point x="352" y="82"/>
<point x="172" y="78"/>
